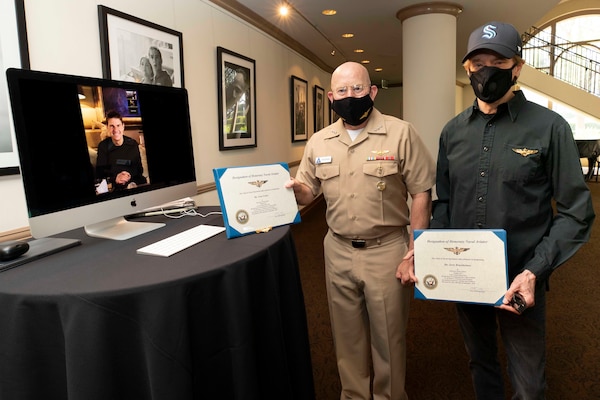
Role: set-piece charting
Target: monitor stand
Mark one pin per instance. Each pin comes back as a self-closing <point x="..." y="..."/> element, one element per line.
<point x="120" y="228"/>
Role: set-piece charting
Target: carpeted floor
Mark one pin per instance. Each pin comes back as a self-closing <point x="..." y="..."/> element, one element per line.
<point x="437" y="363"/>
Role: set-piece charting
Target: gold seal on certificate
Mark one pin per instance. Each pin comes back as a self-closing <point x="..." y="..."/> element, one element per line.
<point x="462" y="265"/>
<point x="254" y="199"/>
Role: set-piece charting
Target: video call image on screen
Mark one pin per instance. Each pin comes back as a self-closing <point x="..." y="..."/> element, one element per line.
<point x="114" y="133"/>
<point x="80" y="167"/>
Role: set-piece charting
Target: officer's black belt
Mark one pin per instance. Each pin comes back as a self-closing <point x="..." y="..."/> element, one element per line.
<point x="358" y="243"/>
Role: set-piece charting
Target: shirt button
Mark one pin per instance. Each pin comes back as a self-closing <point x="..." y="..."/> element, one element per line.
<point x="482" y="173"/>
<point x="480" y="198"/>
<point x="485" y="148"/>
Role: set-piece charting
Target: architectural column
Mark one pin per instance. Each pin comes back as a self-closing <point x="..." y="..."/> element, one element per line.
<point x="429" y="67"/>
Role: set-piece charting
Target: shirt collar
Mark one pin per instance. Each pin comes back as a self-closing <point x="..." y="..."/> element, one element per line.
<point x="514" y="106"/>
<point x="375" y="125"/>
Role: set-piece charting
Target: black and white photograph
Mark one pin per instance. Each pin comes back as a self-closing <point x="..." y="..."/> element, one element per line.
<point x="13" y="53"/>
<point x="140" y="51"/>
<point x="237" y="105"/>
<point x="299" y="100"/>
<point x="319" y="112"/>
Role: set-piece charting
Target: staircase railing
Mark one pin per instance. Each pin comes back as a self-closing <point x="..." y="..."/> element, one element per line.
<point x="573" y="63"/>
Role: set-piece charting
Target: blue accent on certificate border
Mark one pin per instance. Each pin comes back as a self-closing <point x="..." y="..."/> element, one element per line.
<point x="500" y="233"/>
<point x="230" y="231"/>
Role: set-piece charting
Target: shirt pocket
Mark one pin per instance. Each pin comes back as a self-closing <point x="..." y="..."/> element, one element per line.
<point x="329" y="175"/>
<point x="380" y="169"/>
<point x="522" y="163"/>
<point x="380" y="180"/>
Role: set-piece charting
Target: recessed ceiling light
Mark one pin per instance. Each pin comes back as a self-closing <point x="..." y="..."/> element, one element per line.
<point x="359" y="51"/>
<point x="348" y="35"/>
<point x="378" y="69"/>
<point x="365" y="61"/>
<point x="328" y="12"/>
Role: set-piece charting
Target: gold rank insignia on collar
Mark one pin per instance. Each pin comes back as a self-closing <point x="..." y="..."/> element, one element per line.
<point x="380" y="155"/>
<point x="525" y="151"/>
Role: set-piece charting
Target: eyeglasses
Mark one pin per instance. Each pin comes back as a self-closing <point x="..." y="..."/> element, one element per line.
<point x="356" y="89"/>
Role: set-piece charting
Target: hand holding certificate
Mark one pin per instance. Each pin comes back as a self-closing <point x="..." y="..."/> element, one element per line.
<point x="461" y="265"/>
<point x="253" y="199"/>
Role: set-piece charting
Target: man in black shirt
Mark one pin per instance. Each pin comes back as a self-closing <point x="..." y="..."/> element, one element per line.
<point x="119" y="156"/>
<point x="501" y="165"/>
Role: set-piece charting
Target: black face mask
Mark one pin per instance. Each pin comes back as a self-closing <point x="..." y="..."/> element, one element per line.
<point x="491" y="83"/>
<point x="354" y="111"/>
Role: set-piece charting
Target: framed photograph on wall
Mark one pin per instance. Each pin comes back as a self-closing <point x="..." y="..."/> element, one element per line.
<point x="139" y="51"/>
<point x="332" y="114"/>
<point x="299" y="101"/>
<point x="14" y="53"/>
<point x="319" y="108"/>
<point x="237" y="100"/>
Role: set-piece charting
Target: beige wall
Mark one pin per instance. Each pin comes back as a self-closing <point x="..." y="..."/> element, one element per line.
<point x="63" y="37"/>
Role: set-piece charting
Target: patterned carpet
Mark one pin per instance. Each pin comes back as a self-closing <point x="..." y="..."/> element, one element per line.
<point x="437" y="363"/>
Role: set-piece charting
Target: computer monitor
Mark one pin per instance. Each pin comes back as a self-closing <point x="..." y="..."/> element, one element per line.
<point x="60" y="123"/>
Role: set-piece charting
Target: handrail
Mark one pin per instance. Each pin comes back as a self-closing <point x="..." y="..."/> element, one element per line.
<point x="570" y="62"/>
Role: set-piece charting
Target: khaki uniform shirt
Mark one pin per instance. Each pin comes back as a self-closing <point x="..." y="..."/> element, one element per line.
<point x="366" y="182"/>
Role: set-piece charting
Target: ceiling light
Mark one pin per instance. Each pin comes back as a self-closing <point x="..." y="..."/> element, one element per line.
<point x="348" y="35"/>
<point x="378" y="69"/>
<point x="284" y="10"/>
<point x="365" y="61"/>
<point x="359" y="51"/>
<point x="328" y="12"/>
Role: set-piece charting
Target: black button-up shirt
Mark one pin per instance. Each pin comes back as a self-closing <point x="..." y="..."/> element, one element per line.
<point x="517" y="170"/>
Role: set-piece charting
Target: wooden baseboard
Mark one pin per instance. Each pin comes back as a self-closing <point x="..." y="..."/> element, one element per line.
<point x="15" y="234"/>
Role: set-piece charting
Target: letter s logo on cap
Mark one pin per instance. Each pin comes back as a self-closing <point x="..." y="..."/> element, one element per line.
<point x="489" y="32"/>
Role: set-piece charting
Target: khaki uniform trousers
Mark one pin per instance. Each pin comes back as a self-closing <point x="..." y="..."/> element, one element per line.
<point x="368" y="307"/>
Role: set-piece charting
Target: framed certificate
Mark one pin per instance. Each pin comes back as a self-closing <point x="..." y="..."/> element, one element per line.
<point x="253" y="199"/>
<point x="462" y="265"/>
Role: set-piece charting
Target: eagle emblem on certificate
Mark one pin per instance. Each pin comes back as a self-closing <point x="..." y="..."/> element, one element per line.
<point x="258" y="183"/>
<point x="456" y="250"/>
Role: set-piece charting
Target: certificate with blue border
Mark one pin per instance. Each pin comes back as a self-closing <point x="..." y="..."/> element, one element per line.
<point x="461" y="265"/>
<point x="254" y="199"/>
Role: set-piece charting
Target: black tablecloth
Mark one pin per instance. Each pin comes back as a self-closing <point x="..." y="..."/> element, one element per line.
<point x="224" y="319"/>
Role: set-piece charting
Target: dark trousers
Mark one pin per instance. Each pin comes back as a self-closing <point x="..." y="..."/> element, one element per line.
<point x="524" y="339"/>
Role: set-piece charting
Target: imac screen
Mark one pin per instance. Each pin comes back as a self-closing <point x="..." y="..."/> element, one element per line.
<point x="94" y="150"/>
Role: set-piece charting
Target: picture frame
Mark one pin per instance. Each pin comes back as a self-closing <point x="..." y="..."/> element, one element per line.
<point x="332" y="114"/>
<point x="319" y="108"/>
<point x="237" y="100"/>
<point x="299" y="102"/>
<point x="139" y="51"/>
<point x="14" y="53"/>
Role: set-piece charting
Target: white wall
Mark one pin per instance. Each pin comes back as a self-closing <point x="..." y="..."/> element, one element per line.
<point x="63" y="36"/>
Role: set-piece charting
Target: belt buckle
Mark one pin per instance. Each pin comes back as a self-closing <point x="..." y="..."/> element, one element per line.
<point x="359" y="243"/>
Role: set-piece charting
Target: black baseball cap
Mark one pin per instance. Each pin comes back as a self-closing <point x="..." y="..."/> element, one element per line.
<point x="497" y="36"/>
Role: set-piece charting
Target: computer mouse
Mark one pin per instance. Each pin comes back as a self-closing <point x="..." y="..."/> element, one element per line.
<point x="12" y="249"/>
